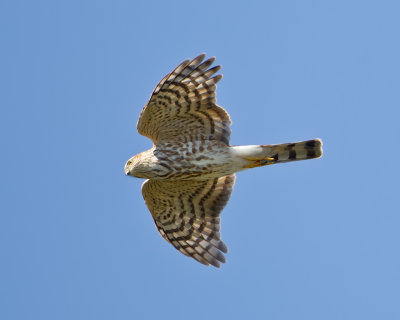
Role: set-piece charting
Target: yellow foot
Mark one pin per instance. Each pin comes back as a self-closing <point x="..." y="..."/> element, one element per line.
<point x="257" y="162"/>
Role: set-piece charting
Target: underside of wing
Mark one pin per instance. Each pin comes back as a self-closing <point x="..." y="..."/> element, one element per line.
<point x="183" y="106"/>
<point x="186" y="214"/>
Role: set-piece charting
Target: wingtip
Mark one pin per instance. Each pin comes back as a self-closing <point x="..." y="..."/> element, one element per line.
<point x="200" y="57"/>
<point x="212" y="59"/>
<point x="217" y="78"/>
<point x="215" y="263"/>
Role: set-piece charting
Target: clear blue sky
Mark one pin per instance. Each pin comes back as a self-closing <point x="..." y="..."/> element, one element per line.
<point x="309" y="240"/>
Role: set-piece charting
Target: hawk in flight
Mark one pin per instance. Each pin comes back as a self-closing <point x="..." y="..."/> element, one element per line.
<point x="190" y="169"/>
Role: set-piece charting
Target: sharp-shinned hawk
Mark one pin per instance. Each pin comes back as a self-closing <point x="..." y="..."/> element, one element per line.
<point x="190" y="169"/>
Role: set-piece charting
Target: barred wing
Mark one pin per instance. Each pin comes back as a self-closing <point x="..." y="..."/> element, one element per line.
<point x="186" y="214"/>
<point x="183" y="106"/>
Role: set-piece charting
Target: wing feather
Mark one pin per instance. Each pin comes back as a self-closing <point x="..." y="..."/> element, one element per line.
<point x="183" y="106"/>
<point x="186" y="214"/>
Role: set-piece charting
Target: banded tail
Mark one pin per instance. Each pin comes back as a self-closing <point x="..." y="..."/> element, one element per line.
<point x="258" y="156"/>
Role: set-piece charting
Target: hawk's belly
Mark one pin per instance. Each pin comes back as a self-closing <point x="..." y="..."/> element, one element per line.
<point x="194" y="160"/>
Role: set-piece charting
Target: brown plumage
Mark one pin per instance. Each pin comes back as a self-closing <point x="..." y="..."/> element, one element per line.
<point x="191" y="167"/>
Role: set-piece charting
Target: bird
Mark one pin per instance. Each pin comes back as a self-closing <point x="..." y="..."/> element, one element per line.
<point x="190" y="170"/>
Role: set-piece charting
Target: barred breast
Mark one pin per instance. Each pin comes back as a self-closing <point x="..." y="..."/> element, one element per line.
<point x="194" y="160"/>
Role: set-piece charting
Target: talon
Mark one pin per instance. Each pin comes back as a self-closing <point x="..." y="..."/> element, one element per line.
<point x="267" y="161"/>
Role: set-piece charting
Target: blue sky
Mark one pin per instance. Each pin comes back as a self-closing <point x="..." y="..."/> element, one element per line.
<point x="307" y="240"/>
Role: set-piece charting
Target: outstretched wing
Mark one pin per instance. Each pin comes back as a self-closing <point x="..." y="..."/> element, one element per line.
<point x="186" y="214"/>
<point x="183" y="106"/>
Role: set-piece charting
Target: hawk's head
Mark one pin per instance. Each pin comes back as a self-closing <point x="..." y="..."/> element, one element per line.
<point x="144" y="165"/>
<point x="133" y="167"/>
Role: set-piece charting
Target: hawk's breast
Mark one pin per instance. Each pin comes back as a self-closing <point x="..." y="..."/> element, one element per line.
<point x="195" y="160"/>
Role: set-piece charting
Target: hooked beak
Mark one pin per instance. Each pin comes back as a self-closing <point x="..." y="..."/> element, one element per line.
<point x="126" y="169"/>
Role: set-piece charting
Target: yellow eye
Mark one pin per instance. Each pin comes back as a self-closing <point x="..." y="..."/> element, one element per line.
<point x="129" y="162"/>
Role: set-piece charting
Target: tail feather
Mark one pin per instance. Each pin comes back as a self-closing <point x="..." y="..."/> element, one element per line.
<point x="304" y="150"/>
<point x="270" y="154"/>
